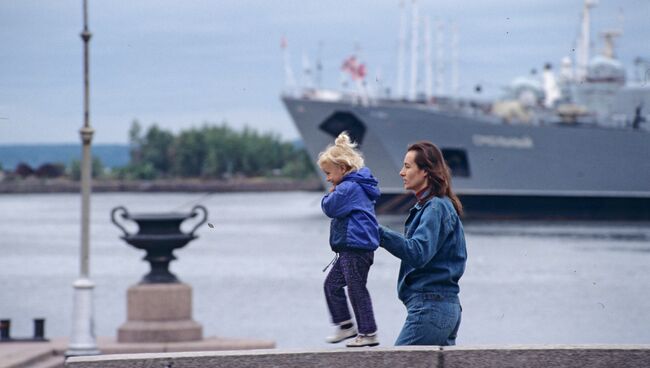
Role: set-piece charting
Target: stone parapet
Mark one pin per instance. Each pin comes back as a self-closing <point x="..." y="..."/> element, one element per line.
<point x="564" y="356"/>
<point x="390" y="357"/>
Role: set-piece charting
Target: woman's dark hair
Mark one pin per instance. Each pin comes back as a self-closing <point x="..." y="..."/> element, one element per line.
<point x="429" y="158"/>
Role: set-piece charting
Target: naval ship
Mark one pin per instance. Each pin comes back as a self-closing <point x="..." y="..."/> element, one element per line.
<point x="576" y="145"/>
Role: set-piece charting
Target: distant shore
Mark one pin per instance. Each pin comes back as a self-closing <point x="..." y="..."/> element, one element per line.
<point x="162" y="185"/>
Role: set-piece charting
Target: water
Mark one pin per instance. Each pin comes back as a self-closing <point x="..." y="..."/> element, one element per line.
<point x="257" y="273"/>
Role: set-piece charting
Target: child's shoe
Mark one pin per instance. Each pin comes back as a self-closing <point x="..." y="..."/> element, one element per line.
<point x="342" y="333"/>
<point x="363" y="340"/>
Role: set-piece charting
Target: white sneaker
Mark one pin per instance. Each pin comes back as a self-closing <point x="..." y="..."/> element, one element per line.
<point x="341" y="334"/>
<point x="363" y="340"/>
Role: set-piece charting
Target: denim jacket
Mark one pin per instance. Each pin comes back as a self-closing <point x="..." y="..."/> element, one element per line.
<point x="351" y="206"/>
<point x="432" y="250"/>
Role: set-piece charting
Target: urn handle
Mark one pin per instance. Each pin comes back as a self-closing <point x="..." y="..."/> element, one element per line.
<point x="195" y="211"/>
<point x="125" y="214"/>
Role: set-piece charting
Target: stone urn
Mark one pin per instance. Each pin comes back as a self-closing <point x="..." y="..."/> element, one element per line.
<point x="159" y="234"/>
<point x="159" y="307"/>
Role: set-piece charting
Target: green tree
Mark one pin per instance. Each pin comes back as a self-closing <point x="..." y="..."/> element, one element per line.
<point x="155" y="149"/>
<point x="189" y="154"/>
<point x="135" y="141"/>
<point x="299" y="165"/>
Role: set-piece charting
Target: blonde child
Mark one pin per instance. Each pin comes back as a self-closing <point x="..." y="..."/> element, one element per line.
<point x="354" y="236"/>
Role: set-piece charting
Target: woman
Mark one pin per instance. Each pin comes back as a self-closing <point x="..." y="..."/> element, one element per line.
<point x="432" y="250"/>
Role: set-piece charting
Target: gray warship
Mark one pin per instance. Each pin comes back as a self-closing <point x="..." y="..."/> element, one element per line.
<point x="571" y="145"/>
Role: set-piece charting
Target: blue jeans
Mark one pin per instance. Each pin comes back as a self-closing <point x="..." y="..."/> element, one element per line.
<point x="433" y="319"/>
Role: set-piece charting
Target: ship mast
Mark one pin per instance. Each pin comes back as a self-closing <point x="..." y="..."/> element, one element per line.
<point x="289" y="81"/>
<point x="414" y="50"/>
<point x="454" y="60"/>
<point x="319" y="66"/>
<point x="440" y="67"/>
<point x="427" y="60"/>
<point x="584" y="40"/>
<point x="307" y="80"/>
<point x="400" y="51"/>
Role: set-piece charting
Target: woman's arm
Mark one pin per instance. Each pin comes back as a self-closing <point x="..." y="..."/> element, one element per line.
<point x="419" y="249"/>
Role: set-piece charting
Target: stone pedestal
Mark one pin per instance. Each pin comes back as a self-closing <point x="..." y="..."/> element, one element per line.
<point x="159" y="313"/>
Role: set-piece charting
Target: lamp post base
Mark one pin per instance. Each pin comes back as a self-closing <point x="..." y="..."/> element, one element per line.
<point x="82" y="341"/>
<point x="82" y="351"/>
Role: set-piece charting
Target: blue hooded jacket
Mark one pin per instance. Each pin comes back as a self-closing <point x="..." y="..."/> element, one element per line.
<point x="351" y="206"/>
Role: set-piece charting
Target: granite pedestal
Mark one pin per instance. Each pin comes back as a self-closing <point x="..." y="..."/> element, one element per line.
<point x="159" y="313"/>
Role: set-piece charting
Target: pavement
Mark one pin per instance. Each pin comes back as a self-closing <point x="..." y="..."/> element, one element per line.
<point x="51" y="353"/>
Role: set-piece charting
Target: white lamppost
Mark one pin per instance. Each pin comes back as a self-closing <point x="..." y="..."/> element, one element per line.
<point x="82" y="341"/>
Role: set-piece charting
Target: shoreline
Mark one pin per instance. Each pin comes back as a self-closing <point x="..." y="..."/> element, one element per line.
<point x="29" y="186"/>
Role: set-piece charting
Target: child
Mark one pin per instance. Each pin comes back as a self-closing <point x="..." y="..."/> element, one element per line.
<point x="354" y="236"/>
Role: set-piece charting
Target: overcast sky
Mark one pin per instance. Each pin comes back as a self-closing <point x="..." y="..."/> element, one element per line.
<point x="183" y="63"/>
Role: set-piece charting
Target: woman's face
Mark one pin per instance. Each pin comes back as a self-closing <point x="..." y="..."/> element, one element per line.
<point x="414" y="178"/>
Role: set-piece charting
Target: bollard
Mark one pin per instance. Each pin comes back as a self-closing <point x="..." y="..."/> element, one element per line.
<point x="39" y="328"/>
<point x="39" y="332"/>
<point x="5" y="326"/>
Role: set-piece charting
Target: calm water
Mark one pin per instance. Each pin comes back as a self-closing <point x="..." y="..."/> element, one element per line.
<point x="257" y="273"/>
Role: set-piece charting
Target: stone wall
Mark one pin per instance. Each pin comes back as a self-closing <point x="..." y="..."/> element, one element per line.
<point x="390" y="357"/>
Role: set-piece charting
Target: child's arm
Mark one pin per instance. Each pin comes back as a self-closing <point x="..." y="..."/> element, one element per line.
<point x="337" y="203"/>
<point x="421" y="247"/>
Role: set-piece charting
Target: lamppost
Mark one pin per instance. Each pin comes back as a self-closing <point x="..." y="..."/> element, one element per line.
<point x="82" y="341"/>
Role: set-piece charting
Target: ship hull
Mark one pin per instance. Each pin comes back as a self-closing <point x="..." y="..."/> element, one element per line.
<point x="499" y="169"/>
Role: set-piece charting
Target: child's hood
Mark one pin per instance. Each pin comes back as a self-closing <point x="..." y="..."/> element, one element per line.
<point x="365" y="179"/>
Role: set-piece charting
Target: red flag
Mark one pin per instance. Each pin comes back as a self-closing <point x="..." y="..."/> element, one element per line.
<point x="354" y="68"/>
<point x="361" y="71"/>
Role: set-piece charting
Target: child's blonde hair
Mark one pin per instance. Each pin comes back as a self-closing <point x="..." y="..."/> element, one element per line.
<point x="342" y="153"/>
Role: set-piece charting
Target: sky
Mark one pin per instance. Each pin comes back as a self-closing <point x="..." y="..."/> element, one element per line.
<point x="182" y="64"/>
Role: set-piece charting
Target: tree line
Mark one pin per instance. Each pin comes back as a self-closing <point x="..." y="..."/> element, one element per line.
<point x="211" y="151"/>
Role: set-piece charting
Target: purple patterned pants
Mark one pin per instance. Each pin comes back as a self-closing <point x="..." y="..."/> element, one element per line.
<point x="351" y="270"/>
